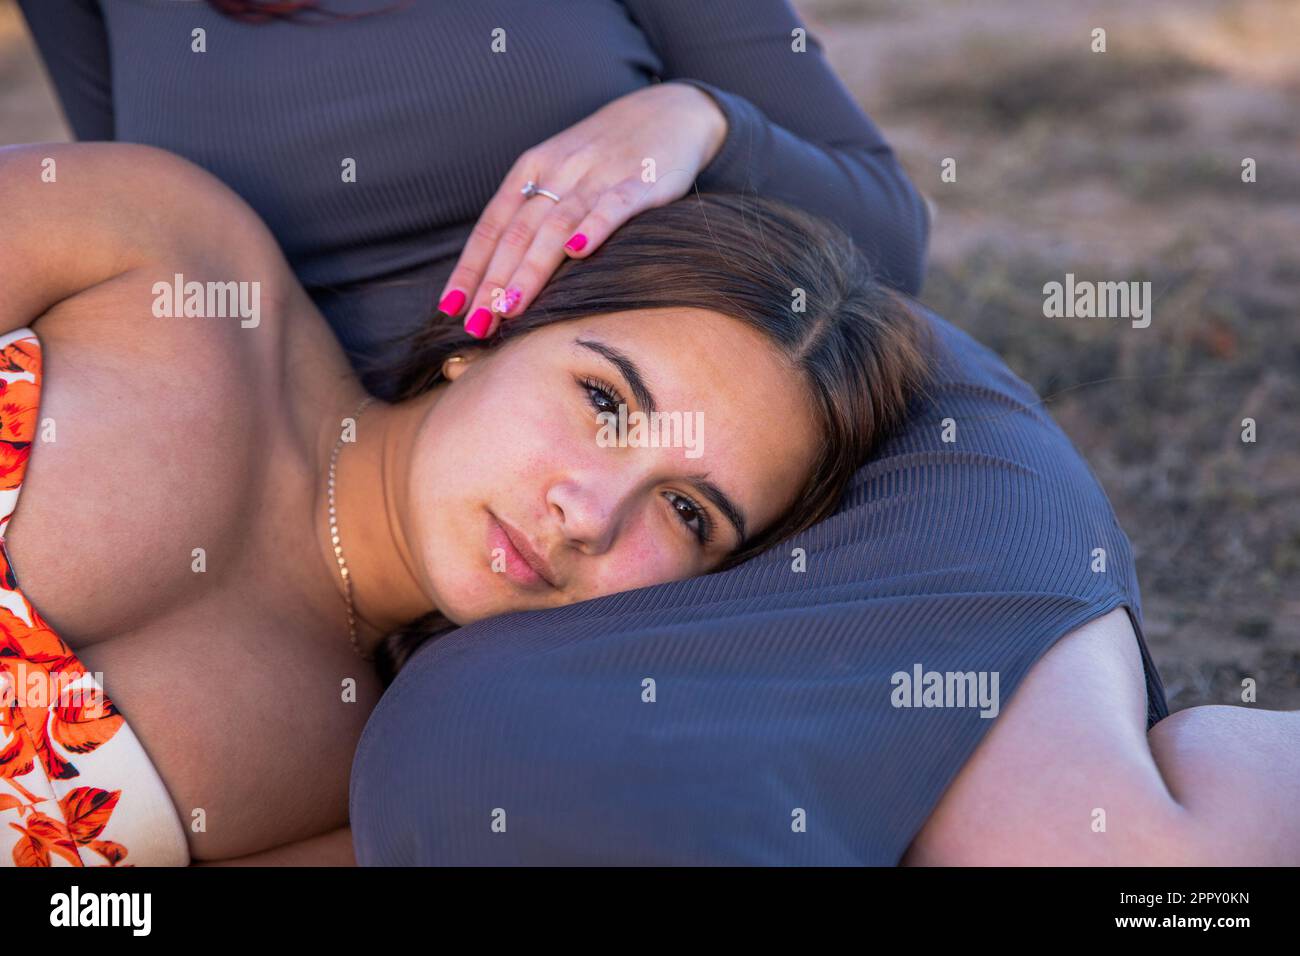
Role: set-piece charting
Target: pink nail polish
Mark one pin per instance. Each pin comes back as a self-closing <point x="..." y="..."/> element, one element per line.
<point x="478" y="323"/>
<point x="452" y="302"/>
<point x="509" y="300"/>
<point x="577" y="242"/>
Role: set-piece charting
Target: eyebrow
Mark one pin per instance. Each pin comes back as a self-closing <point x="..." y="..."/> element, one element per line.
<point x="636" y="382"/>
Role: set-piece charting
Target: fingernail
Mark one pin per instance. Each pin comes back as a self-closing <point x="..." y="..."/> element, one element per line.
<point x="576" y="242"/>
<point x="509" y="300"/>
<point x="478" y="323"/>
<point x="451" y="303"/>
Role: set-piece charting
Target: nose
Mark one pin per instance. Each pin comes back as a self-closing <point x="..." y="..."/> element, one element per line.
<point x="597" y="495"/>
<point x="588" y="511"/>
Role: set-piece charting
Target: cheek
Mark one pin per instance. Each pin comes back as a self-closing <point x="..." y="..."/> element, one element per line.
<point x="494" y="440"/>
<point x="643" y="557"/>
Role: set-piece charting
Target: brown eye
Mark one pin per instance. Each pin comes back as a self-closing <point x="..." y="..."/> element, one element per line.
<point x="603" y="392"/>
<point x="689" y="512"/>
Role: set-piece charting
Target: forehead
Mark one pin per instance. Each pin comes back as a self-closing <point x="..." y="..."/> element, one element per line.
<point x="759" y="434"/>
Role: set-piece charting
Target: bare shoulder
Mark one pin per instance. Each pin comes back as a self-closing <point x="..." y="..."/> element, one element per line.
<point x="146" y="202"/>
<point x="150" y="252"/>
<point x="1065" y="775"/>
<point x="82" y="215"/>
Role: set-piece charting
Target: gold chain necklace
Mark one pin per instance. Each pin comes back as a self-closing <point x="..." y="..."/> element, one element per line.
<point x="334" y="535"/>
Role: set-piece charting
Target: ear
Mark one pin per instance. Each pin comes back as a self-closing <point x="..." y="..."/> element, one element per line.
<point x="452" y="369"/>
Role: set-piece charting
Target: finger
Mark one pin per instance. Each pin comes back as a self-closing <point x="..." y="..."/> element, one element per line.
<point x="613" y="208"/>
<point x="497" y="215"/>
<point x="543" y="256"/>
<point x="486" y="304"/>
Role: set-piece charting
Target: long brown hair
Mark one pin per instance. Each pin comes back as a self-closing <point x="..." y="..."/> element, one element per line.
<point x="858" y="346"/>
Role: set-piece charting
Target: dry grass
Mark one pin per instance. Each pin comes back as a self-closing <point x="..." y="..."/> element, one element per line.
<point x="1126" y="166"/>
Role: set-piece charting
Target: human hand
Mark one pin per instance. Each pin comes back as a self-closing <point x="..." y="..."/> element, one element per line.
<point x="637" y="152"/>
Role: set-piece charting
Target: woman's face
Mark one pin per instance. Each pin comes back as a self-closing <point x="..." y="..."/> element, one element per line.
<point x="514" y="442"/>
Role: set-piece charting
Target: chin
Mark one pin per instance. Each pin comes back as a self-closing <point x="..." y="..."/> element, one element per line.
<point x="479" y="597"/>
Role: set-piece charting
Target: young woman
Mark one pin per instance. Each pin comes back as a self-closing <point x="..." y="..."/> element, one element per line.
<point x="180" y="540"/>
<point x="217" y="524"/>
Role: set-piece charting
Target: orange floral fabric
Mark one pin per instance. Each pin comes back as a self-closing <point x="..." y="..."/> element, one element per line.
<point x="76" y="786"/>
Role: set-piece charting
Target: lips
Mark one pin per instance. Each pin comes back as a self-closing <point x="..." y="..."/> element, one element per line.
<point x="523" y="563"/>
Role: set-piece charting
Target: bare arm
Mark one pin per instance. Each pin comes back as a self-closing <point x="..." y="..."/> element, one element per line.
<point x="328" y="849"/>
<point x="76" y="215"/>
<point x="1070" y="755"/>
<point x="1236" y="771"/>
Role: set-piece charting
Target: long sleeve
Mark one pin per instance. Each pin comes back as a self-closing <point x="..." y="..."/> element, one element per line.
<point x="74" y="45"/>
<point x="273" y="109"/>
<point x="795" y="132"/>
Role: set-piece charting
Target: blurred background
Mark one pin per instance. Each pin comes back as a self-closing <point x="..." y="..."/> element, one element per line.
<point x="1122" y="166"/>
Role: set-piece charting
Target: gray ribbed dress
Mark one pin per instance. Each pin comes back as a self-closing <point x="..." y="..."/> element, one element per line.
<point x="434" y="119"/>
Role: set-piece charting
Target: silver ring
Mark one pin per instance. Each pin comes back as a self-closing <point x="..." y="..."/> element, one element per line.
<point x="531" y="189"/>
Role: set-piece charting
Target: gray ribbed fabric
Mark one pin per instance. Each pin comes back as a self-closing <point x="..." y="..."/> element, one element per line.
<point x="434" y="120"/>
<point x="773" y="688"/>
